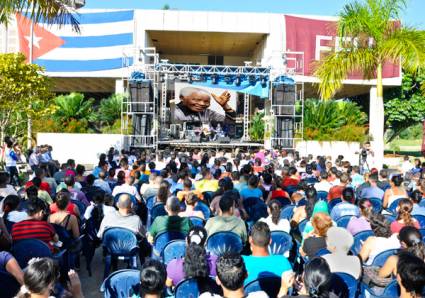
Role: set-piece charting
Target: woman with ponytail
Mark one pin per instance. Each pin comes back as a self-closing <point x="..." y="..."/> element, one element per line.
<point x="361" y="223"/>
<point x="411" y="242"/>
<point x="404" y="217"/>
<point x="274" y="221"/>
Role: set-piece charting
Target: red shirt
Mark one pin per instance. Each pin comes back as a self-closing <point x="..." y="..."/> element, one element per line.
<point x="70" y="208"/>
<point x="290" y="181"/>
<point x="279" y="194"/>
<point x="33" y="229"/>
<point x="335" y="192"/>
<point x="43" y="186"/>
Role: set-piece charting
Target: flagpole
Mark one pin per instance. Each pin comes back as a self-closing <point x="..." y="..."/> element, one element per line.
<point x="31" y="55"/>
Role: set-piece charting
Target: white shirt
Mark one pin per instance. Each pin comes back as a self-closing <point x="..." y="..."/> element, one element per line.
<point x="344" y="263"/>
<point x="406" y="166"/>
<point x="323" y="186"/>
<point x="17" y="216"/>
<point x="106" y="210"/>
<point x="10" y="162"/>
<point x="103" y="185"/>
<point x="125" y="188"/>
<point x="33" y="160"/>
<point x="282" y="225"/>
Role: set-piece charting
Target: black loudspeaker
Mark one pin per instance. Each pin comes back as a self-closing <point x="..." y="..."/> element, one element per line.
<point x="284" y="95"/>
<point x="142" y="124"/>
<point x="140" y="92"/>
<point x="239" y="131"/>
<point x="285" y="129"/>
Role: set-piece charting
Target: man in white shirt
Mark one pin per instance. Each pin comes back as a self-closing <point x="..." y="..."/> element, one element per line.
<point x="101" y="183"/>
<point x="406" y="166"/>
<point x="323" y="184"/>
<point x="127" y="188"/>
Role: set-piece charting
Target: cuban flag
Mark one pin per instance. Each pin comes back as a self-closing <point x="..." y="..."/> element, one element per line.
<point x="99" y="47"/>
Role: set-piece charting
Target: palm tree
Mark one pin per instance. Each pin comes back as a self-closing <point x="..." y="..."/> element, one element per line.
<point x="377" y="37"/>
<point x="52" y="11"/>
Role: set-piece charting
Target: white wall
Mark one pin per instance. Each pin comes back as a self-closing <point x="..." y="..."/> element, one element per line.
<point x="347" y="149"/>
<point x="84" y="148"/>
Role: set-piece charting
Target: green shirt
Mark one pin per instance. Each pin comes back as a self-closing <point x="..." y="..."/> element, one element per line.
<point x="167" y="223"/>
<point x="227" y="224"/>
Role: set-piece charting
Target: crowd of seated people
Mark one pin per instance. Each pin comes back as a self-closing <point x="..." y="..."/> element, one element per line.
<point x="300" y="224"/>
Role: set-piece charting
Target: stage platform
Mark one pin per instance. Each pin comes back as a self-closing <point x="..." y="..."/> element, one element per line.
<point x="217" y="145"/>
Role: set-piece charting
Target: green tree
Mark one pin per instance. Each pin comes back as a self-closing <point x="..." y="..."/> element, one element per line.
<point x="256" y="131"/>
<point x="73" y="107"/>
<point x="53" y="11"/>
<point x="24" y="92"/>
<point x="166" y="7"/>
<point x="375" y="38"/>
<point x="110" y="109"/>
<point x="405" y="106"/>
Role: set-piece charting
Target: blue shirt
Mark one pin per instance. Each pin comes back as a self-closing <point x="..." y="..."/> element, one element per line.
<point x="343" y="209"/>
<point x="418" y="210"/>
<point x="240" y="186"/>
<point x="250" y="193"/>
<point x="372" y="192"/>
<point x="270" y="265"/>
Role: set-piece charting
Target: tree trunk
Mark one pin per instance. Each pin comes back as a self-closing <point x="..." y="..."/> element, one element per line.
<point x="29" y="133"/>
<point x="377" y="119"/>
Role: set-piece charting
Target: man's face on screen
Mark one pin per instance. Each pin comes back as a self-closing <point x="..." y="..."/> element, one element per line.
<point x="197" y="102"/>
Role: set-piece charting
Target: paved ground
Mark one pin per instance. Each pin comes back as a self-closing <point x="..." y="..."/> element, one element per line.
<point x="91" y="285"/>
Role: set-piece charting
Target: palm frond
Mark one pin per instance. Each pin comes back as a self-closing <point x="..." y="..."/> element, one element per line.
<point x="406" y="44"/>
<point x="337" y="66"/>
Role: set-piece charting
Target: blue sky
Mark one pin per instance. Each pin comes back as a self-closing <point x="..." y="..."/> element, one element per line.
<point x="413" y="15"/>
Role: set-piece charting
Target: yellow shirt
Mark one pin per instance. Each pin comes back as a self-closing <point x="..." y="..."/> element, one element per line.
<point x="206" y="185"/>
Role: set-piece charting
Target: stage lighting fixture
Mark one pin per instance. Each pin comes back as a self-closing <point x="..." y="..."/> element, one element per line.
<point x="263" y="81"/>
<point x="252" y="80"/>
<point x="189" y="79"/>
<point x="238" y="80"/>
<point x="202" y="77"/>
<point x="228" y="80"/>
<point x="214" y="79"/>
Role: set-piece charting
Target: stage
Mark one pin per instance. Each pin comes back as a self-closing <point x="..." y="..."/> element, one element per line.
<point x="233" y="144"/>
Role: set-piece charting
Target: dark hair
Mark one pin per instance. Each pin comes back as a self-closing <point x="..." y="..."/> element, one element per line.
<point x="405" y="207"/>
<point x="97" y="212"/>
<point x="197" y="235"/>
<point x="80" y="169"/>
<point x="253" y="181"/>
<point x="34" y="206"/>
<point x="231" y="271"/>
<point x="366" y="208"/>
<point x="187" y="183"/>
<point x="62" y="200"/>
<point x="275" y="209"/>
<point x="39" y="275"/>
<point x="348" y="194"/>
<point x="152" y="277"/>
<point x="90" y="179"/>
<point x="260" y="234"/>
<point x="317" y="278"/>
<point x="10" y="203"/>
<point x="311" y="195"/>
<point x="32" y="192"/>
<point x="4" y="178"/>
<point x="195" y="262"/>
<point x="36" y="181"/>
<point x="162" y="194"/>
<point x="411" y="270"/>
<point x="69" y="180"/>
<point x="397" y="180"/>
<point x="413" y="240"/>
<point x="380" y="225"/>
<point x="416" y="196"/>
<point x="226" y="202"/>
<point x="267" y="178"/>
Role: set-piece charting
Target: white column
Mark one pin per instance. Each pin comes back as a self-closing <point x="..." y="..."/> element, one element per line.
<point x="376" y="127"/>
<point x="119" y="86"/>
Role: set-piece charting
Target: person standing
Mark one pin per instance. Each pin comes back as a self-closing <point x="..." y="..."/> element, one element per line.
<point x="11" y="158"/>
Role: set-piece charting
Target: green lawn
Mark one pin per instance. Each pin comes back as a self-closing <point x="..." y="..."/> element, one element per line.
<point x="410" y="147"/>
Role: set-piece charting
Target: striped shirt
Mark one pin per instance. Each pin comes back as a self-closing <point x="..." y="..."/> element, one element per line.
<point x="33" y="229"/>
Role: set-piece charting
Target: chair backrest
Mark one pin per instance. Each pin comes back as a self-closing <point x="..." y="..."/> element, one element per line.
<point x="197" y="221"/>
<point x="420" y="219"/>
<point x="380" y="259"/>
<point x="322" y="195"/>
<point x="80" y="205"/>
<point x="301" y="225"/>
<point x="201" y="206"/>
<point x="376" y="204"/>
<point x="26" y="249"/>
<point x="208" y="196"/>
<point x="8" y="285"/>
<point x="351" y="283"/>
<point x="255" y="208"/>
<point x="281" y="242"/>
<point x="120" y="242"/>
<point x="187" y="288"/>
<point x="222" y="242"/>
<point x="393" y="206"/>
<point x="174" y="249"/>
<point x="343" y="221"/>
<point x="322" y="252"/>
<point x="422" y="231"/>
<point x="392" y="290"/>
<point x="121" y="284"/>
<point x="268" y="284"/>
<point x="359" y="238"/>
<point x="283" y="201"/>
<point x="162" y="239"/>
<point x="333" y="203"/>
<point x="150" y="201"/>
<point x="157" y="210"/>
<point x="291" y="189"/>
<point x="287" y="212"/>
<point x="311" y="180"/>
<point x="390" y="217"/>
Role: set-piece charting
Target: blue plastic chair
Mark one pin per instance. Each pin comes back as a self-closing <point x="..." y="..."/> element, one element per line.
<point x="283" y="201"/>
<point x="422" y="231"/>
<point x="322" y="195"/>
<point x="291" y="189"/>
<point x="322" y="252"/>
<point x="376" y="205"/>
<point x="81" y="207"/>
<point x="187" y="288"/>
<point x="121" y="284"/>
<point x="301" y="225"/>
<point x="150" y="202"/>
<point x="157" y="210"/>
<point x="333" y="203"/>
<point x="420" y="219"/>
<point x="281" y="243"/>
<point x="422" y="203"/>
<point x="287" y="212"/>
<point x="8" y="285"/>
<point x="201" y="206"/>
<point x="343" y="221"/>
<point x="162" y="239"/>
<point x="255" y="208"/>
<point x="175" y="249"/>
<point x="392" y="208"/>
<point x="222" y="242"/>
<point x="390" y="217"/>
<point x="197" y="221"/>
<point x="392" y="290"/>
<point x="119" y="243"/>
<point x="351" y="283"/>
<point x="380" y="259"/>
<point x="208" y="196"/>
<point x="268" y="284"/>
<point x="26" y="249"/>
<point x="359" y="238"/>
